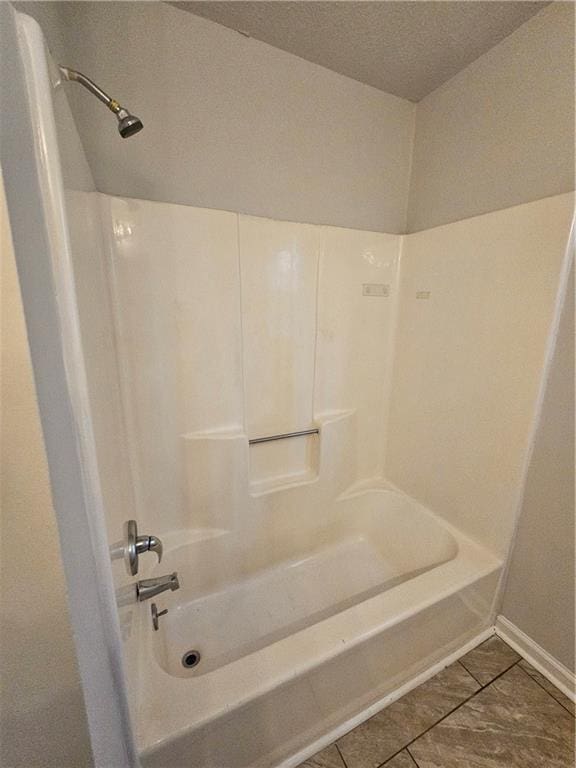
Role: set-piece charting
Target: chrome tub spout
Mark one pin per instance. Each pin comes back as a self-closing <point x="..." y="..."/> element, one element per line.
<point x="148" y="588"/>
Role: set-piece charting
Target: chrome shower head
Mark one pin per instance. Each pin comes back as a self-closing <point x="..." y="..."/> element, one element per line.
<point x="128" y="124"/>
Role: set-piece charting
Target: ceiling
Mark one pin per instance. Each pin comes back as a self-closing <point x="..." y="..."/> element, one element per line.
<point x="404" y="48"/>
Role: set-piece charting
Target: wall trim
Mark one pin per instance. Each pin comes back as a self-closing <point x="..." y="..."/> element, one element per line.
<point x="336" y="733"/>
<point x="540" y="659"/>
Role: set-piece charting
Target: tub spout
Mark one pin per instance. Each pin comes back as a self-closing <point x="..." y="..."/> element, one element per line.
<point x="148" y="588"/>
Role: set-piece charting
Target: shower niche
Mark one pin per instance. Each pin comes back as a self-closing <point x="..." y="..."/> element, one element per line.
<point x="277" y="463"/>
<point x="228" y="479"/>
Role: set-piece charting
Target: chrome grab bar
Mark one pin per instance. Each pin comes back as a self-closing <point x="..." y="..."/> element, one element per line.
<point x="268" y="439"/>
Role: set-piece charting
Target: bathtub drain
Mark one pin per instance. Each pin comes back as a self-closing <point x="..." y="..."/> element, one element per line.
<point x="191" y="659"/>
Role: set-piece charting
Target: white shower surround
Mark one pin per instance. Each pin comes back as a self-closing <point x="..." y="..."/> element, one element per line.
<point x="280" y="700"/>
<point x="176" y="271"/>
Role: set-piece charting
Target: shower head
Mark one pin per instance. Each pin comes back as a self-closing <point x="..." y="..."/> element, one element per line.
<point x="128" y="124"/>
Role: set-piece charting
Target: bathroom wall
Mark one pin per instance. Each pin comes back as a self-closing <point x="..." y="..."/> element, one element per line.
<point x="501" y="131"/>
<point x="539" y="595"/>
<point x="234" y="123"/>
<point x="305" y="144"/>
<point x="42" y="716"/>
<point x="244" y="327"/>
<point x="476" y="302"/>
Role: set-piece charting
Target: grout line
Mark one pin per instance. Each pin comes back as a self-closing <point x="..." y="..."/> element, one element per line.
<point x="341" y="755"/>
<point x="545" y="689"/>
<point x="483" y="687"/>
<point x="338" y="734"/>
<point x="459" y="661"/>
<point x="461" y="704"/>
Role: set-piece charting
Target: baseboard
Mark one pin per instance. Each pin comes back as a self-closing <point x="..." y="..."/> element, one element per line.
<point x="348" y="725"/>
<point x="547" y="665"/>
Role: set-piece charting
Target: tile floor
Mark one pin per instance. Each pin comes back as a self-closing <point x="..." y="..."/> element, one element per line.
<point x="490" y="709"/>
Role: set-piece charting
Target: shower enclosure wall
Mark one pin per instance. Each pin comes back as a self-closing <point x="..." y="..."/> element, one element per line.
<point x="319" y="573"/>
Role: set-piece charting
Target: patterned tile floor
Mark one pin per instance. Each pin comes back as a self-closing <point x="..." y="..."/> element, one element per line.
<point x="490" y="709"/>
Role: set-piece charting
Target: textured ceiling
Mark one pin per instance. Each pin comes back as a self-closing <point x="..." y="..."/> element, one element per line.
<point x="404" y="48"/>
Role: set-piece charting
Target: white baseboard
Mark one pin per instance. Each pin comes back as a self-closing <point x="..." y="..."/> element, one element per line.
<point x="547" y="665"/>
<point x="348" y="725"/>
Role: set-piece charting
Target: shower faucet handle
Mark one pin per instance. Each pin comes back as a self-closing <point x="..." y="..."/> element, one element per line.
<point x="135" y="545"/>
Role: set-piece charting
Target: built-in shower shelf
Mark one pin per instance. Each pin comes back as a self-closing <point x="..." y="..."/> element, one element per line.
<point x="224" y="471"/>
<point x="280" y="464"/>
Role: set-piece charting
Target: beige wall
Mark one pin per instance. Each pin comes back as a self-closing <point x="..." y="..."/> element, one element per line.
<point x="501" y="131"/>
<point x="230" y="122"/>
<point x="42" y="716"/>
<point x="235" y="124"/>
<point x="539" y="596"/>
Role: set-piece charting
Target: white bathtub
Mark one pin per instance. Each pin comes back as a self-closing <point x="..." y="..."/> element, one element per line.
<point x="295" y="649"/>
<point x="377" y="540"/>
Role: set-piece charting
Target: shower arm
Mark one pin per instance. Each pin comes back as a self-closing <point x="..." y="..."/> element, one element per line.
<point x="73" y="76"/>
<point x="128" y="124"/>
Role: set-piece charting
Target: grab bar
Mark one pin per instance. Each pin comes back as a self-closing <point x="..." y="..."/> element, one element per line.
<point x="301" y="433"/>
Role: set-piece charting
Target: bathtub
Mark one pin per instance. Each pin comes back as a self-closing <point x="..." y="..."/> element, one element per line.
<point x="293" y="649"/>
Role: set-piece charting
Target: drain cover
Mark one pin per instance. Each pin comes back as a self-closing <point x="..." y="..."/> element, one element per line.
<point x="191" y="659"/>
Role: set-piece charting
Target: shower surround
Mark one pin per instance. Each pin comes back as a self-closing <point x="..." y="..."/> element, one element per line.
<point x="321" y="575"/>
<point x="233" y="328"/>
<point x="320" y="572"/>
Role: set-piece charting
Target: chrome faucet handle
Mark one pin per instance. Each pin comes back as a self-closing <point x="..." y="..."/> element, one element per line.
<point x="156" y="615"/>
<point x="149" y="544"/>
<point x="135" y="545"/>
